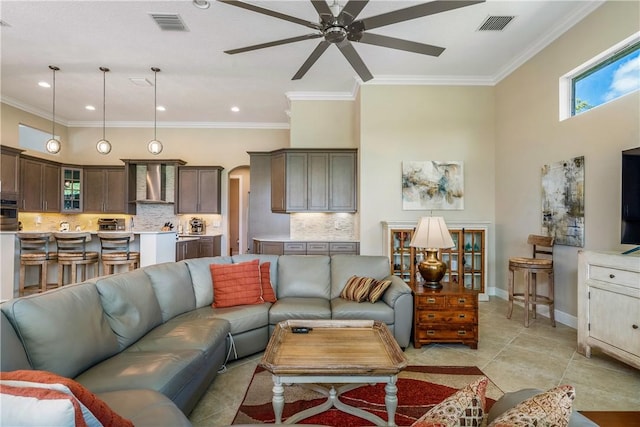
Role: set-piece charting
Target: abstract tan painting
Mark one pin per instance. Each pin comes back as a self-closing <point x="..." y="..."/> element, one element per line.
<point x="432" y="185"/>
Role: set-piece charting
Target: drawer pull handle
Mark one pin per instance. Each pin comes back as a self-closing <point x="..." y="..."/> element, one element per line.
<point x="635" y="326"/>
<point x="461" y="300"/>
<point x="431" y="332"/>
<point x="612" y="276"/>
<point x="461" y="316"/>
<point x="462" y="332"/>
<point x="431" y="300"/>
<point x="431" y="316"/>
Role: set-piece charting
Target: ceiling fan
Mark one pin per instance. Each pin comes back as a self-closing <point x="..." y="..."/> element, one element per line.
<point x="340" y="27"/>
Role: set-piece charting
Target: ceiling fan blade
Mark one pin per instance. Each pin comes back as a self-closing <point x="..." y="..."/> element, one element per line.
<point x="273" y="43"/>
<point x="273" y="13"/>
<point x="319" y="50"/>
<point x="414" y="12"/>
<point x="323" y="10"/>
<point x="354" y="59"/>
<point x="351" y="10"/>
<point x="400" y="44"/>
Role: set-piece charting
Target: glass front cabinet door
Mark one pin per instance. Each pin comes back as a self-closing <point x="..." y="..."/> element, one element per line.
<point x="402" y="255"/>
<point x="465" y="261"/>
<point x="71" y="190"/>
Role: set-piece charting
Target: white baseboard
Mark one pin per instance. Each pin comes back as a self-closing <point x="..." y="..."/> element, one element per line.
<point x="561" y="317"/>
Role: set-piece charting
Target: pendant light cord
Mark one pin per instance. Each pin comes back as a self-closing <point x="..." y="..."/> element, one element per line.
<point x="104" y="99"/>
<point x="53" y="121"/>
<point x="155" y="102"/>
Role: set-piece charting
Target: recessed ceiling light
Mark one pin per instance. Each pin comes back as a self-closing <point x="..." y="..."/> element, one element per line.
<point x="235" y="109"/>
<point x="201" y="4"/>
<point x="90" y="108"/>
<point x="161" y="108"/>
<point x="44" y="84"/>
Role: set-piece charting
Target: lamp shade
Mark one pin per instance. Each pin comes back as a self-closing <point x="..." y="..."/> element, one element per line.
<point x="432" y="232"/>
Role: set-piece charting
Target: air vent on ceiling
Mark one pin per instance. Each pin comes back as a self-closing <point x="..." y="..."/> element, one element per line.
<point x="495" y="23"/>
<point x="169" y="22"/>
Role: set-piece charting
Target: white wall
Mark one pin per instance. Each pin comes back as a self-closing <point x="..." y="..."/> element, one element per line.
<point x="530" y="135"/>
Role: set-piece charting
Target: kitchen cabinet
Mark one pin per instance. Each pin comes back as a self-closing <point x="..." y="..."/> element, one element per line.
<point x="187" y="249"/>
<point x="447" y="315"/>
<point x="39" y="185"/>
<point x="9" y="170"/>
<point x="305" y="180"/>
<point x="199" y="189"/>
<point x="104" y="189"/>
<point x="71" y="190"/>
<point x="328" y="248"/>
<point x="209" y="246"/>
<point x="609" y="305"/>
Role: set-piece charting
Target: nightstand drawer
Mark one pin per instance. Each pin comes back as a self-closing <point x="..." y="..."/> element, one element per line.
<point x="446" y="333"/>
<point x="431" y="301"/>
<point x="431" y="317"/>
<point x="461" y="301"/>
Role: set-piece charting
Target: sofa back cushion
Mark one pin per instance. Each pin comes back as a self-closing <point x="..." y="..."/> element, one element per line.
<point x="13" y="356"/>
<point x="271" y="259"/>
<point x="305" y="276"/>
<point x="201" y="277"/>
<point x="171" y="282"/>
<point x="130" y="305"/>
<point x="345" y="266"/>
<point x="63" y="331"/>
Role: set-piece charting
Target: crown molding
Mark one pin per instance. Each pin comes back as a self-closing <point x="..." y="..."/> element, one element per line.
<point x="548" y="38"/>
<point x="32" y="110"/>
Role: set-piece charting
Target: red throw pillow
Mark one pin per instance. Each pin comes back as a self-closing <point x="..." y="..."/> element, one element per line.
<point x="265" y="278"/>
<point x="236" y="284"/>
<point x="98" y="408"/>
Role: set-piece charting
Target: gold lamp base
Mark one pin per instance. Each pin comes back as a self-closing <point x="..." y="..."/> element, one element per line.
<point x="432" y="269"/>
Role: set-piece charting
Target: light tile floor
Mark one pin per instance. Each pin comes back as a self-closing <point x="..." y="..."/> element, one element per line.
<point x="513" y="356"/>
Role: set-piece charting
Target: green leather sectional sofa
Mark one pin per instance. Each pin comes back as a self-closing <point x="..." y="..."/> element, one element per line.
<point x="149" y="342"/>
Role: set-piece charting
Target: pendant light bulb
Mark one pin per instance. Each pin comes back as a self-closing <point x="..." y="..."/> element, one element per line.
<point x="53" y="145"/>
<point x="104" y="146"/>
<point x="155" y="146"/>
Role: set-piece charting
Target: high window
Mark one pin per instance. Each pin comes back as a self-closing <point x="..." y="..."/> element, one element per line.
<point x="608" y="76"/>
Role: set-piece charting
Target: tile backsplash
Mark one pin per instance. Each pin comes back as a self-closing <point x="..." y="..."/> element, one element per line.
<point x="324" y="226"/>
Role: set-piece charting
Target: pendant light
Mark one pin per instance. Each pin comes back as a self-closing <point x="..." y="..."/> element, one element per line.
<point x="103" y="146"/>
<point x="53" y="145"/>
<point x="155" y="146"/>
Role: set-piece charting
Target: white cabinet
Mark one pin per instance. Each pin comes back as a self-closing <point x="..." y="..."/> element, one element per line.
<point x="609" y="305"/>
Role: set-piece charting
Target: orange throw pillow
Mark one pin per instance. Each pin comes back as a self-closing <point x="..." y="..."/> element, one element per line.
<point x="236" y="284"/>
<point x="98" y="408"/>
<point x="265" y="279"/>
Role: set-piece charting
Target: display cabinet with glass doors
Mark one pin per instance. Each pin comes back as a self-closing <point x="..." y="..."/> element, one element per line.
<point x="71" y="190"/>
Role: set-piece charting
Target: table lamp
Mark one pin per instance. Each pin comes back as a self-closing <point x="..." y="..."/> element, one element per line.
<point x="431" y="235"/>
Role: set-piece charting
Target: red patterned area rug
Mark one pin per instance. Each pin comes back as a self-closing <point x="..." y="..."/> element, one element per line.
<point x="419" y="389"/>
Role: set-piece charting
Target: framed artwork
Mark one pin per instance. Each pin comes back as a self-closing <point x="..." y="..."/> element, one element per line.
<point x="429" y="185"/>
<point x="563" y="201"/>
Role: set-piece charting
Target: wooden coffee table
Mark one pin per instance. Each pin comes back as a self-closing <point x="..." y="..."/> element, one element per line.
<point x="350" y="352"/>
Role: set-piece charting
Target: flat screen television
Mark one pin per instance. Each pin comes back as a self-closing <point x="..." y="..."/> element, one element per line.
<point x="630" y="229"/>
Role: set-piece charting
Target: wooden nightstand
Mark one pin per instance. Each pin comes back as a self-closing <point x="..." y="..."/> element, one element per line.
<point x="449" y="314"/>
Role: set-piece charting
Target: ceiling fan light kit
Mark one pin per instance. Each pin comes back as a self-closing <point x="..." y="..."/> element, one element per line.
<point x="155" y="146"/>
<point x="104" y="146"/>
<point x="339" y="26"/>
<point x="53" y="145"/>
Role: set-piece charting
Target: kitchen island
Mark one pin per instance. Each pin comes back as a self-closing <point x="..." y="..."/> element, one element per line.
<point x="154" y="246"/>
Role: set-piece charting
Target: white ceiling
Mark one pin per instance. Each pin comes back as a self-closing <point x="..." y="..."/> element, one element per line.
<point x="199" y="83"/>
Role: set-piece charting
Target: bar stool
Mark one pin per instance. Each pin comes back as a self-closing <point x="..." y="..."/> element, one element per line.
<point x="34" y="251"/>
<point x="531" y="268"/>
<point x="115" y="250"/>
<point x="72" y="252"/>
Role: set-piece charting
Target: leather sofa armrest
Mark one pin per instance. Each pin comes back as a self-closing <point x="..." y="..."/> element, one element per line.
<point x="396" y="290"/>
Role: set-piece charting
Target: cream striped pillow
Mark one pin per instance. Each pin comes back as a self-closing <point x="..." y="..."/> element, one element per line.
<point x="357" y="288"/>
<point x="377" y="289"/>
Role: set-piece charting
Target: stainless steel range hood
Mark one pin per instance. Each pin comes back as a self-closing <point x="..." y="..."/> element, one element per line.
<point x="156" y="184"/>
